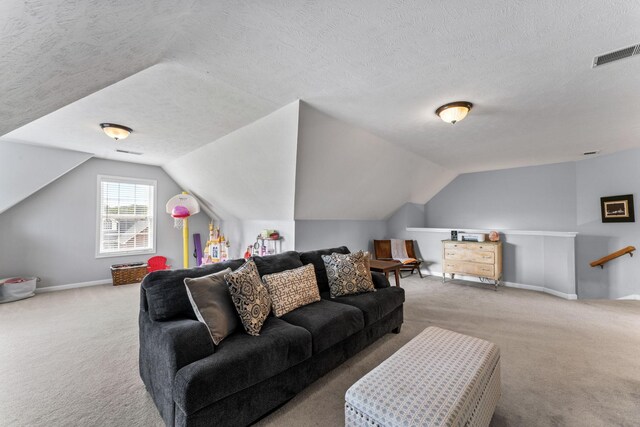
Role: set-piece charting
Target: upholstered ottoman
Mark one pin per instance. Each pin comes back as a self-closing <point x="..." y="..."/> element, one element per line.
<point x="439" y="378"/>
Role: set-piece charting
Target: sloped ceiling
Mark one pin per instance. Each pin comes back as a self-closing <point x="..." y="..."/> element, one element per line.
<point x="249" y="174"/>
<point x="171" y="109"/>
<point x="299" y="163"/>
<point x="25" y="169"/>
<point x="345" y="172"/>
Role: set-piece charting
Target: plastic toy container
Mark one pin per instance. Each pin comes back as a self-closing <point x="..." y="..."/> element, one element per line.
<point x="17" y="288"/>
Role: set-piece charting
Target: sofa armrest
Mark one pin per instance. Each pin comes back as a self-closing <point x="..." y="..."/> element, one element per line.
<point x="379" y="281"/>
<point x="165" y="347"/>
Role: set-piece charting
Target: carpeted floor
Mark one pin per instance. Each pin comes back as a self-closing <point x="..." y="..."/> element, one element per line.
<point x="70" y="358"/>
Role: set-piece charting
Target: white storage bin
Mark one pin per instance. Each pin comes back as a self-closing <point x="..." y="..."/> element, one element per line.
<point x="15" y="290"/>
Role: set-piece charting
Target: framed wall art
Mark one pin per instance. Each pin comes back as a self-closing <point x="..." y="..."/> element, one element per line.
<point x="617" y="208"/>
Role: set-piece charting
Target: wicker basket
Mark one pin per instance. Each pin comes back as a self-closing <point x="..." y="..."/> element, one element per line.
<point x="124" y="274"/>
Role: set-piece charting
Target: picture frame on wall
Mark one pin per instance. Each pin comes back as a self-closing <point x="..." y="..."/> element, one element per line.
<point x="617" y="208"/>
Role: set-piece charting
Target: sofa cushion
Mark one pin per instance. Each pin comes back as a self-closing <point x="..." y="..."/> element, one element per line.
<point x="315" y="258"/>
<point x="348" y="273"/>
<point x="276" y="263"/>
<point x="212" y="304"/>
<point x="165" y="292"/>
<point x="241" y="361"/>
<point x="291" y="289"/>
<point x="374" y="305"/>
<point x="328" y="322"/>
<point x="250" y="297"/>
<point x="379" y="280"/>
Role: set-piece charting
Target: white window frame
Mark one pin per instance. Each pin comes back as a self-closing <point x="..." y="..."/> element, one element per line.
<point x="126" y="180"/>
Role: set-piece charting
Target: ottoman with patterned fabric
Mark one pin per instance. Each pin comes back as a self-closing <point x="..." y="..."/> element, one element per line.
<point x="439" y="378"/>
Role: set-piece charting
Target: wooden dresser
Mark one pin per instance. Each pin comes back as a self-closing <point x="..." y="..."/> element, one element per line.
<point x="482" y="260"/>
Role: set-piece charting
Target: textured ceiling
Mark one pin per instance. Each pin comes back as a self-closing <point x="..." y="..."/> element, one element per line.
<point x="384" y="66"/>
<point x="171" y="109"/>
<point x="55" y="52"/>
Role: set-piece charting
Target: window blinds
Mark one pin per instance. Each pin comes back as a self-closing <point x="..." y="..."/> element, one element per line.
<point x="126" y="216"/>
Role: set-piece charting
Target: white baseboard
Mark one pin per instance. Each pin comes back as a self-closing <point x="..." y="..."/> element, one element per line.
<point x="73" y="286"/>
<point x="633" y="297"/>
<point x="510" y="285"/>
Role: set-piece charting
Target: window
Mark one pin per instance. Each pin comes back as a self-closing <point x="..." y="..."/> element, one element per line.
<point x="126" y="216"/>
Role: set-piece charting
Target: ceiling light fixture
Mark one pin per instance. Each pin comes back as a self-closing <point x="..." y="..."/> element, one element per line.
<point x="115" y="131"/>
<point x="454" y="111"/>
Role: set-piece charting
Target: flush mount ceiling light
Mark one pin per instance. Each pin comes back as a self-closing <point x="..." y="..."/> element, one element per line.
<point x="454" y="111"/>
<point x="115" y="131"/>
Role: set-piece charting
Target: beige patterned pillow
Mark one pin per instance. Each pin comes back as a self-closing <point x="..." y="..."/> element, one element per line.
<point x="249" y="296"/>
<point x="348" y="273"/>
<point x="291" y="289"/>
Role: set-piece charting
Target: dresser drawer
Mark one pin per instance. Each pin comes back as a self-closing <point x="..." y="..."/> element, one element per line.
<point x="454" y="245"/>
<point x="472" y="246"/>
<point x="472" y="268"/>
<point x="463" y="254"/>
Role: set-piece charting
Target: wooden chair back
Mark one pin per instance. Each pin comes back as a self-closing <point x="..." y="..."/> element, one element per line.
<point x="411" y="253"/>
<point x="382" y="249"/>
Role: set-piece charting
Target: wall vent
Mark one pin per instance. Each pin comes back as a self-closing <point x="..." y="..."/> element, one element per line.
<point x="627" y="52"/>
<point x="129" y="152"/>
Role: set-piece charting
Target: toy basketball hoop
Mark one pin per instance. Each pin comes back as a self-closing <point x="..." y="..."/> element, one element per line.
<point x="181" y="207"/>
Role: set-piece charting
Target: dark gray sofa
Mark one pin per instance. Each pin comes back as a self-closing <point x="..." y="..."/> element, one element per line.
<point x="235" y="383"/>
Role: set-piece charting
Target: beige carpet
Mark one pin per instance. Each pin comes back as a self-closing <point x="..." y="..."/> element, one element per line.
<point x="70" y="358"/>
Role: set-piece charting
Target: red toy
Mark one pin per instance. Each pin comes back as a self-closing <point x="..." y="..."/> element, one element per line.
<point x="156" y="263"/>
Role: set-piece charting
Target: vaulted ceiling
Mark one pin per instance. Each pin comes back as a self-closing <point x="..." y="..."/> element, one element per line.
<point x="186" y="74"/>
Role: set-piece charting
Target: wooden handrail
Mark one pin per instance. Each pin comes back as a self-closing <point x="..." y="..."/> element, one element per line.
<point x="602" y="261"/>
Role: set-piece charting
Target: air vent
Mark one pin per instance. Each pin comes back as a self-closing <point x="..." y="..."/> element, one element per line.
<point x="627" y="52"/>
<point x="590" y="153"/>
<point x="129" y="152"/>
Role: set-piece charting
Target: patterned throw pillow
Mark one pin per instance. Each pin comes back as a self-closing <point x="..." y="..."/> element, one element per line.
<point x="291" y="289"/>
<point x="348" y="273"/>
<point x="249" y="296"/>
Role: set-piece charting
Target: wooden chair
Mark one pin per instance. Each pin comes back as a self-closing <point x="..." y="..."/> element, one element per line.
<point x="382" y="251"/>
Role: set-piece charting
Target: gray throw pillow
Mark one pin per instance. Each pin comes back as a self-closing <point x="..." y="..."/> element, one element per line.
<point x="212" y="304"/>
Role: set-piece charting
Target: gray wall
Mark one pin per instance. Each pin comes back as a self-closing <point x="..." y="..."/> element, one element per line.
<point x="356" y="235"/>
<point x="541" y="261"/>
<point x="603" y="176"/>
<point x="528" y="198"/>
<point x="409" y="215"/>
<point x="242" y="233"/>
<point x="558" y="197"/>
<point x="52" y="234"/>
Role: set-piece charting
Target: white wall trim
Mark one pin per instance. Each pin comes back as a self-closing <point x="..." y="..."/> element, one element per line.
<point x="509" y="285"/>
<point x="572" y="234"/>
<point x="631" y="297"/>
<point x="73" y="286"/>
